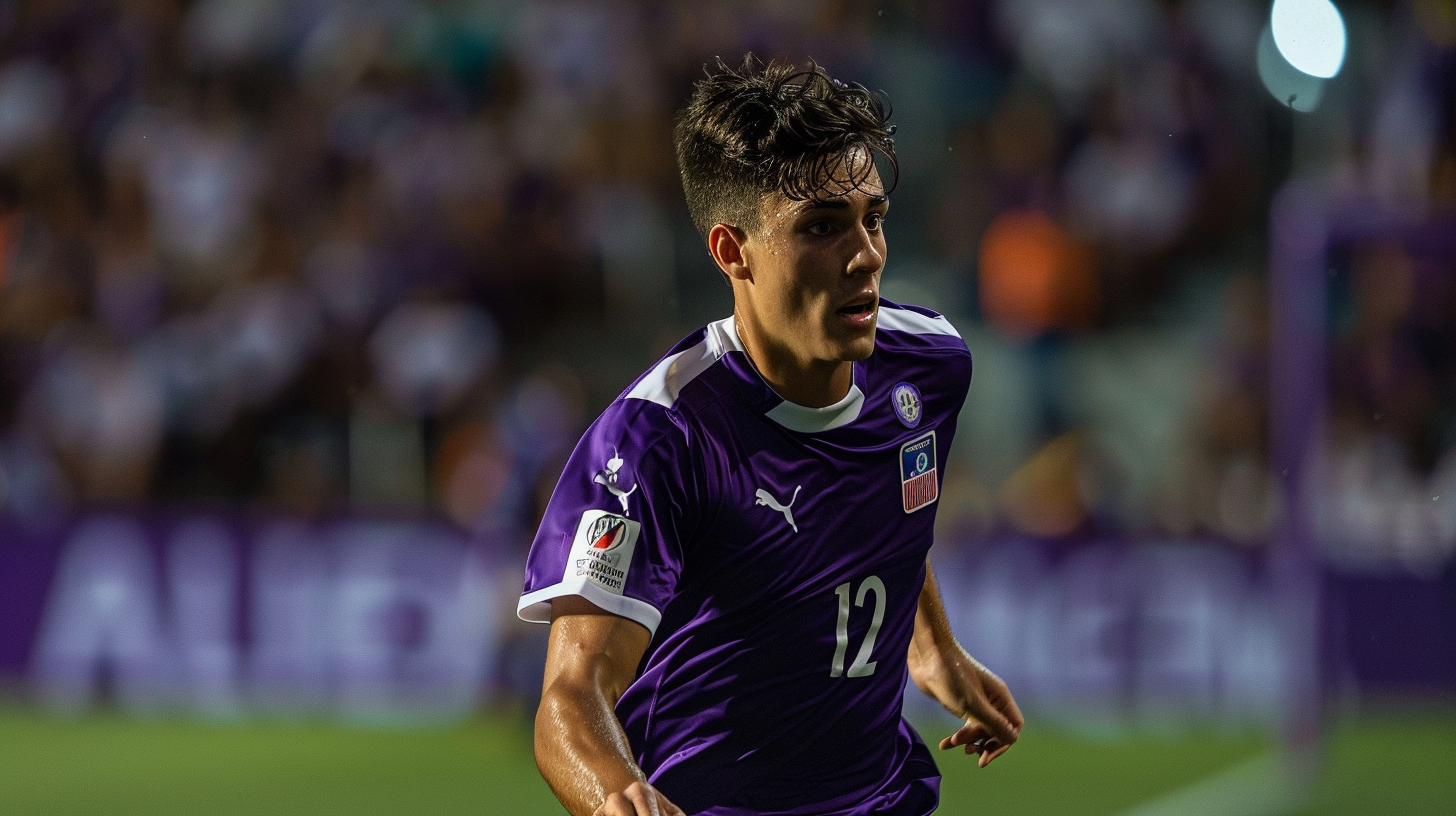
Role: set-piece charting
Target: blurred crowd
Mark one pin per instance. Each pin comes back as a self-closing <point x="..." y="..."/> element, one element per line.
<point x="391" y="255"/>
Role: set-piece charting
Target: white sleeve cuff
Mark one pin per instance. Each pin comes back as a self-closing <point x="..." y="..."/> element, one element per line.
<point x="535" y="607"/>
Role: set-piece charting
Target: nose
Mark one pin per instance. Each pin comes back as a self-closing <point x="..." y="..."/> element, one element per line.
<point x="868" y="252"/>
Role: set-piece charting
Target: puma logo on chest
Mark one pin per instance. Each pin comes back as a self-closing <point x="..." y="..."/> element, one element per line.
<point x="766" y="499"/>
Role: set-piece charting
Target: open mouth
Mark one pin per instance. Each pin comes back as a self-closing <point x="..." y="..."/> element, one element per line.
<point x="857" y="308"/>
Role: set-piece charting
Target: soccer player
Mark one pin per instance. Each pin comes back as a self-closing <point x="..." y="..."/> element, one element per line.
<point x="734" y="562"/>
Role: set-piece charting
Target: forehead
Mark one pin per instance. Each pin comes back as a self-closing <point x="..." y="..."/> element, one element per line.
<point x="852" y="180"/>
<point x="851" y="172"/>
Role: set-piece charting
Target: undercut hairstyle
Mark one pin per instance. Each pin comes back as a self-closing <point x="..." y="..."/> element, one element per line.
<point x="750" y="131"/>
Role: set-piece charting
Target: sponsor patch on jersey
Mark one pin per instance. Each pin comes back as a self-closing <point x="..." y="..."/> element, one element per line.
<point x="601" y="551"/>
<point x="906" y="399"/>
<point x="917" y="472"/>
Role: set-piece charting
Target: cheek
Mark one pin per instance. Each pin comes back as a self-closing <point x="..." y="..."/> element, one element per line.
<point x="805" y="296"/>
<point x="799" y="283"/>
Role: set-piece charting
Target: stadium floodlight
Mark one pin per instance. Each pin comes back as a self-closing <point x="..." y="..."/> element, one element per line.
<point x="1310" y="34"/>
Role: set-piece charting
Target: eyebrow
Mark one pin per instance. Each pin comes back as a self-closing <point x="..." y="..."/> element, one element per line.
<point x="838" y="203"/>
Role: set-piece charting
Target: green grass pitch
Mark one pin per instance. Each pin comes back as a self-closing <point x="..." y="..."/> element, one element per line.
<point x="114" y="765"/>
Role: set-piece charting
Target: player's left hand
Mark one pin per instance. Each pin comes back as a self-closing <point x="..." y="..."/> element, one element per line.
<point x="993" y="722"/>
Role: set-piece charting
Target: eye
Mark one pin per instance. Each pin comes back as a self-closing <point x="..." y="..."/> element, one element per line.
<point x="874" y="222"/>
<point x="821" y="227"/>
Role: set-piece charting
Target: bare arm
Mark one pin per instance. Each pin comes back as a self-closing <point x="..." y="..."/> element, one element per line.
<point x="580" y="747"/>
<point x="945" y="672"/>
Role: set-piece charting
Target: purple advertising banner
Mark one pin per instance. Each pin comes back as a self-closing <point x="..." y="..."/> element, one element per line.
<point x="373" y="619"/>
<point x="403" y="620"/>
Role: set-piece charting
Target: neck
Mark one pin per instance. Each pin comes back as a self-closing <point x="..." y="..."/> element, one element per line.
<point x="811" y="383"/>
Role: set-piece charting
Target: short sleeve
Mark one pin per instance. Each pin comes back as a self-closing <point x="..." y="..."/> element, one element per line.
<point x="615" y="527"/>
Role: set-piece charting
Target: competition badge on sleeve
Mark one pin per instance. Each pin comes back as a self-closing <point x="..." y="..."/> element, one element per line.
<point x="917" y="472"/>
<point x="601" y="552"/>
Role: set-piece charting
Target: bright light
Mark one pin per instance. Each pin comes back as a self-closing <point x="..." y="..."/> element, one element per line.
<point x="1310" y="34"/>
<point x="1292" y="87"/>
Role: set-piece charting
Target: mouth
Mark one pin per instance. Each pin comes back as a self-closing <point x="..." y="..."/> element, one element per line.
<point x="861" y="310"/>
<point x="863" y="304"/>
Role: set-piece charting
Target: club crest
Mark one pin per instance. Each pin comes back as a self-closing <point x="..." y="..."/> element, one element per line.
<point x="918" y="477"/>
<point x="908" y="404"/>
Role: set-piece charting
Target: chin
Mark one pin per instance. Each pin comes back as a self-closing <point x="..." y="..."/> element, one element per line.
<point x="857" y="349"/>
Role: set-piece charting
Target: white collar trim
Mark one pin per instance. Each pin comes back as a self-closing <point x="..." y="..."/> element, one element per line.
<point x="792" y="415"/>
<point x="804" y="419"/>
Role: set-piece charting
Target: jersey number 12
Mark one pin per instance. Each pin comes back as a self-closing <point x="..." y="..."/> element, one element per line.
<point x="862" y="665"/>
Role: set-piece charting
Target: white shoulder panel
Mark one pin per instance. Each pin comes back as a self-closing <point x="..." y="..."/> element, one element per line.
<point x="667" y="379"/>
<point x="908" y="320"/>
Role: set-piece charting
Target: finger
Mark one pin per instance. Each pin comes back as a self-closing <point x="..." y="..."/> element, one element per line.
<point x="972" y="744"/>
<point x="994" y="722"/>
<point x="971" y="731"/>
<point x="643" y="798"/>
<point x="990" y="754"/>
<point x="1012" y="712"/>
<point x="1005" y="704"/>
<point x="998" y="725"/>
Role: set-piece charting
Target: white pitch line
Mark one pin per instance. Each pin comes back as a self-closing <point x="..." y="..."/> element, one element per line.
<point x="1266" y="785"/>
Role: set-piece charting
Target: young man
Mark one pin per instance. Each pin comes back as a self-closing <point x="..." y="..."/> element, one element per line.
<point x="734" y="561"/>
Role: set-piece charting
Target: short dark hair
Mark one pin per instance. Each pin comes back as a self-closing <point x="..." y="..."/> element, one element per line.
<point x="751" y="131"/>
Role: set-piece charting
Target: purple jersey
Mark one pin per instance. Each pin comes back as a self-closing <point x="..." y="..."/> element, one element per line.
<point x="776" y="552"/>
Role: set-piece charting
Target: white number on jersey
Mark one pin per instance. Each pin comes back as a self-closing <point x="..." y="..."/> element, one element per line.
<point x="862" y="665"/>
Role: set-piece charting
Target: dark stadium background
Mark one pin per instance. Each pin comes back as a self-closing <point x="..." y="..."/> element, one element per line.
<point x="303" y="303"/>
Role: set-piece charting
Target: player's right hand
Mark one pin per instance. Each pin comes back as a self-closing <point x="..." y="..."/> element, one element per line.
<point x="639" y="799"/>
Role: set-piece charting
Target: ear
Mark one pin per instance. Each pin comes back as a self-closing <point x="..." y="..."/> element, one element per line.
<point x="725" y="243"/>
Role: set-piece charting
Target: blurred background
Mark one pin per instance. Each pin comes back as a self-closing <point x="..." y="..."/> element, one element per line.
<point x="303" y="304"/>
